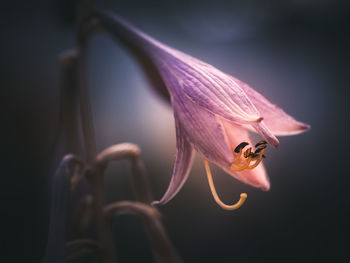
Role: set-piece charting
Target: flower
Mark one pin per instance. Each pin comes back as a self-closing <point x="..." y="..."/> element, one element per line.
<point x="213" y="112"/>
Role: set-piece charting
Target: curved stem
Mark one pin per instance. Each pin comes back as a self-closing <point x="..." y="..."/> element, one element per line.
<point x="130" y="151"/>
<point x="161" y="245"/>
<point x="235" y="206"/>
<point x="77" y="248"/>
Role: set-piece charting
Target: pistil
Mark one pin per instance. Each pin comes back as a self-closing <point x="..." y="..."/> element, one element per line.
<point x="217" y="199"/>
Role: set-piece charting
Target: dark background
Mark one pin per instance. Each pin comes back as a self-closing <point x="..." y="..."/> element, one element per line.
<point x="294" y="52"/>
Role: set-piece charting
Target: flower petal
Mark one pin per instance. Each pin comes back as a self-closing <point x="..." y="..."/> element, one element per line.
<point x="278" y="121"/>
<point x="256" y="177"/>
<point x="205" y="85"/>
<point x="265" y="132"/>
<point x="208" y="87"/>
<point x="203" y="130"/>
<point x="183" y="164"/>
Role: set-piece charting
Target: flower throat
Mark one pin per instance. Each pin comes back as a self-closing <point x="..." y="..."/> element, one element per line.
<point x="241" y="161"/>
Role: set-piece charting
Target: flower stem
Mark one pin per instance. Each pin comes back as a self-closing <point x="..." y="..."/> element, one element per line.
<point x="68" y="130"/>
<point x="162" y="247"/>
<point x="95" y="178"/>
<point x="130" y="151"/>
<point x="85" y="109"/>
<point x="104" y="233"/>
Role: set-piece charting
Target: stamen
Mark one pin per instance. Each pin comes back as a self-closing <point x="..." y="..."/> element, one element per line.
<point x="239" y="163"/>
<point x="240" y="147"/>
<point x="247" y="153"/>
<point x="257" y="160"/>
<point x="257" y="151"/>
<point x="237" y="157"/>
<point x="237" y="166"/>
<point x="260" y="143"/>
<point x="238" y="150"/>
<point x="237" y="205"/>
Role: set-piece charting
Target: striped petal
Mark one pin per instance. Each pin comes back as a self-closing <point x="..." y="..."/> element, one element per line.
<point x="203" y="131"/>
<point x="183" y="164"/>
<point x="277" y="120"/>
<point x="205" y="85"/>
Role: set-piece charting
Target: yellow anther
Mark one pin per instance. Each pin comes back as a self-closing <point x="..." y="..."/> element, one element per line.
<point x="238" y="156"/>
<point x="235" y="206"/>
<point x="247" y="152"/>
<point x="257" y="160"/>
<point x="240" y="163"/>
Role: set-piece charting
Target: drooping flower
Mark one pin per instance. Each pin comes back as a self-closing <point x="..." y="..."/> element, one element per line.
<point x="213" y="112"/>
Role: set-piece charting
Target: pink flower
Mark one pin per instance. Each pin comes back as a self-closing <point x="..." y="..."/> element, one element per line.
<point x="213" y="112"/>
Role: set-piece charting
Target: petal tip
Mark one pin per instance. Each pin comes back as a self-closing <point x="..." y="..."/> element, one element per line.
<point x="266" y="187"/>
<point x="298" y="128"/>
<point x="274" y="142"/>
<point x="265" y="184"/>
<point x="155" y="203"/>
<point x="303" y="127"/>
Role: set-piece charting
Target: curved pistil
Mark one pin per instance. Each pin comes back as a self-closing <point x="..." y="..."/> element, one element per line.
<point x="235" y="206"/>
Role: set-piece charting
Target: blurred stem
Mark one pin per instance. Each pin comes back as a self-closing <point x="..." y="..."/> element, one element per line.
<point x="77" y="248"/>
<point x="85" y="108"/>
<point x="130" y="151"/>
<point x="59" y="205"/>
<point x="161" y="245"/>
<point x="104" y="233"/>
<point x="140" y="182"/>
<point x="84" y="215"/>
<point x="68" y="119"/>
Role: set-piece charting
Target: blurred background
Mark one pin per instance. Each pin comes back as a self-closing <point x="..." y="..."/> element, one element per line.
<point x="294" y="52"/>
